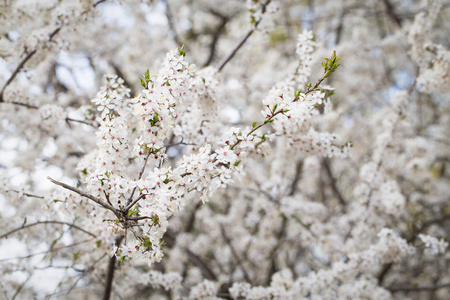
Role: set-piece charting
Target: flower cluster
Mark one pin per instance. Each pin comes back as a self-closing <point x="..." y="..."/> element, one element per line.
<point x="433" y="245"/>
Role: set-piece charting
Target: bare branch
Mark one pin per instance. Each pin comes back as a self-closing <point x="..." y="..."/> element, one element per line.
<point x="298" y="171"/>
<point x="206" y="270"/>
<point x="391" y="13"/>
<point x="79" y="121"/>
<point x="150" y="151"/>
<point x="169" y="16"/>
<point x="19" y="289"/>
<point x="48" y="251"/>
<point x="99" y="2"/>
<point x="16" y="71"/>
<point x="234" y="253"/>
<point x="20" y="66"/>
<point x="334" y="188"/>
<point x="110" y="272"/>
<point x="134" y="202"/>
<point x="413" y="288"/>
<point x="242" y="42"/>
<point x="81" y="193"/>
<point x="215" y="38"/>
<point x="46" y="222"/>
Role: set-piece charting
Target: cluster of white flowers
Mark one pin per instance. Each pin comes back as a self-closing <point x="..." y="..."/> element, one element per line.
<point x="321" y="284"/>
<point x="435" y="78"/>
<point x="168" y="281"/>
<point x="51" y="116"/>
<point x="249" y="202"/>
<point x="433" y="245"/>
<point x="200" y="110"/>
<point x="110" y="95"/>
<point x="204" y="290"/>
<point x="304" y="50"/>
<point x="433" y="59"/>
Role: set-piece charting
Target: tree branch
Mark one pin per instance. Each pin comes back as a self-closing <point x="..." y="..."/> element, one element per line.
<point x="412" y="288"/>
<point x="215" y="38"/>
<point x="169" y="17"/>
<point x="326" y="165"/>
<point x="205" y="269"/>
<point x="298" y="173"/>
<point x="110" y="272"/>
<point x="150" y="151"/>
<point x="46" y="222"/>
<point x="81" y="193"/>
<point x="20" y="66"/>
<point x="48" y="251"/>
<point x="234" y="253"/>
<point x="242" y="42"/>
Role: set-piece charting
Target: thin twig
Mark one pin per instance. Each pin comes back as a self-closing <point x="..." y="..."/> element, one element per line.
<point x="305" y="226"/>
<point x="327" y="167"/>
<point x="20" y="66"/>
<point x="16" y="71"/>
<point x="46" y="222"/>
<point x="412" y="288"/>
<point x="246" y="37"/>
<point x="234" y="253"/>
<point x="216" y="36"/>
<point x="97" y="3"/>
<point x="135" y="201"/>
<point x="47" y="251"/>
<point x="298" y="173"/>
<point x="150" y="151"/>
<point x="172" y="24"/>
<point x="205" y="269"/>
<point x="19" y="289"/>
<point x="79" y="121"/>
<point x="81" y="193"/>
<point x="110" y="273"/>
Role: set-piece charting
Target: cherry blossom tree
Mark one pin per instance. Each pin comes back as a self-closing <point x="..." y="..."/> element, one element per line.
<point x="267" y="149"/>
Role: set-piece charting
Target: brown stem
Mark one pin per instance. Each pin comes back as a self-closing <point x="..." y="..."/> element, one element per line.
<point x="242" y="42"/>
<point x="412" y="288"/>
<point x="81" y="193"/>
<point x="298" y="173"/>
<point x="327" y="167"/>
<point x="48" y="251"/>
<point x="130" y="200"/>
<point x="110" y="272"/>
<point x="20" y="66"/>
<point x="234" y="253"/>
<point x="169" y="16"/>
<point x="215" y="38"/>
<point x="46" y="222"/>
<point x="197" y="261"/>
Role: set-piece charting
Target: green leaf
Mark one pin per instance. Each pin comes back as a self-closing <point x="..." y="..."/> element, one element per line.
<point x="143" y="83"/>
<point x="254" y="124"/>
<point x="182" y="51"/>
<point x="275" y="107"/>
<point x="146" y="243"/>
<point x="76" y="256"/>
<point x="132" y="212"/>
